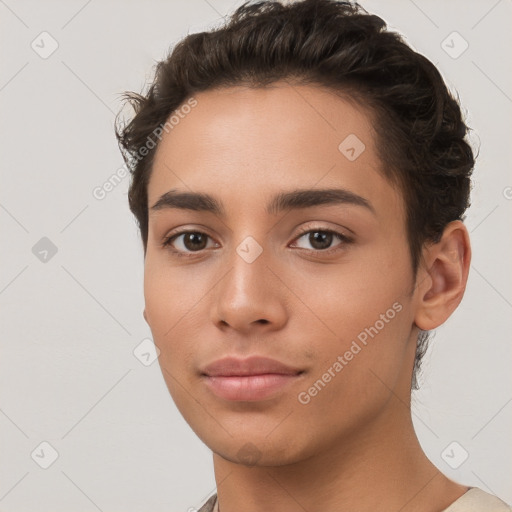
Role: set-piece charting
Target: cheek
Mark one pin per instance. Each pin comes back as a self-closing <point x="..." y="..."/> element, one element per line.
<point x="361" y="313"/>
<point x="347" y="299"/>
<point x="172" y="300"/>
<point x="172" y="303"/>
<point x="171" y="293"/>
<point x="360" y="359"/>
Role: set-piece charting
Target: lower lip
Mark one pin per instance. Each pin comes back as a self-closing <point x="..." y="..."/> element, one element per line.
<point x="250" y="387"/>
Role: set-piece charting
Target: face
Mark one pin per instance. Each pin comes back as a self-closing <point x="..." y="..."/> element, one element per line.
<point x="317" y="284"/>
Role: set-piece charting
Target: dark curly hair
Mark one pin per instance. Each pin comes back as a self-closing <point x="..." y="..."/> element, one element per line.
<point x="338" y="45"/>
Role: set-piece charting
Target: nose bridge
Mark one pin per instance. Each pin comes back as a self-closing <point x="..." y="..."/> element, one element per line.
<point x="247" y="280"/>
<point x="247" y="293"/>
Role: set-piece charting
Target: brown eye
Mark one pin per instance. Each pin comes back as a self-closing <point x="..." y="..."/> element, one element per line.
<point x="187" y="242"/>
<point x="194" y="241"/>
<point x="321" y="240"/>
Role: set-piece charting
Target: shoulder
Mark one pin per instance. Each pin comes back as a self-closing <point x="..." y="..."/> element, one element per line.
<point x="477" y="500"/>
<point x="209" y="506"/>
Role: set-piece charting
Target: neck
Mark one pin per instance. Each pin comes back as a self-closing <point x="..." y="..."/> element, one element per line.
<point x="381" y="467"/>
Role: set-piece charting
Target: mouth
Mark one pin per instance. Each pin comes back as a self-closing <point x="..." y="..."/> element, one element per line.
<point x="251" y="379"/>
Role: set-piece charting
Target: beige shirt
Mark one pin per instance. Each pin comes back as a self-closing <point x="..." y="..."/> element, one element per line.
<point x="474" y="500"/>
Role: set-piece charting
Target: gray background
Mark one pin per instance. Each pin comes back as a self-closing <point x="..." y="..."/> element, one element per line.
<point x="72" y="320"/>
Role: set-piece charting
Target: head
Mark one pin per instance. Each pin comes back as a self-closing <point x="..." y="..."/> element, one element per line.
<point x="241" y="140"/>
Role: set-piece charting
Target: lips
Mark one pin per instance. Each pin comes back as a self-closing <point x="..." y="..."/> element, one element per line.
<point x="231" y="366"/>
<point x="251" y="379"/>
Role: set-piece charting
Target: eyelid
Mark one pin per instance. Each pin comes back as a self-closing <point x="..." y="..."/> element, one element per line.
<point x="336" y="231"/>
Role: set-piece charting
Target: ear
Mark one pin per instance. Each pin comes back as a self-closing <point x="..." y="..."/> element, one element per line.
<point x="442" y="276"/>
<point x="144" y="315"/>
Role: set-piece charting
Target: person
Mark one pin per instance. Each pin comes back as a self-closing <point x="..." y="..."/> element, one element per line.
<point x="300" y="177"/>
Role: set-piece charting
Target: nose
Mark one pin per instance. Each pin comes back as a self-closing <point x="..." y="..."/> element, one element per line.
<point x="250" y="298"/>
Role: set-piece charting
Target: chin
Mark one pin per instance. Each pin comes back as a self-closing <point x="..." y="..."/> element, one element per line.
<point x="251" y="454"/>
<point x="258" y="449"/>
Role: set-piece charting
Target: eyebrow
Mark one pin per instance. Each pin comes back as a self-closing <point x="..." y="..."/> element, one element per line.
<point x="292" y="200"/>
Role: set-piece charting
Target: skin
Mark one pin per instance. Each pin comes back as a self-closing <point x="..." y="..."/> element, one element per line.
<point x="353" y="446"/>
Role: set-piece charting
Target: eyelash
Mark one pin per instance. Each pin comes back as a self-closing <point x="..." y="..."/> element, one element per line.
<point x="344" y="239"/>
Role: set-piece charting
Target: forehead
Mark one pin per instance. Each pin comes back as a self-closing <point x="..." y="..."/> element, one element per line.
<point x="259" y="140"/>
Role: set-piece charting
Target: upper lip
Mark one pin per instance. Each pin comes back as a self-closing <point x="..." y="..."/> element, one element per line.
<point x="232" y="366"/>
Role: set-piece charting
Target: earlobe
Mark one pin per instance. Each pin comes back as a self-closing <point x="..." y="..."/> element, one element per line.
<point x="444" y="277"/>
